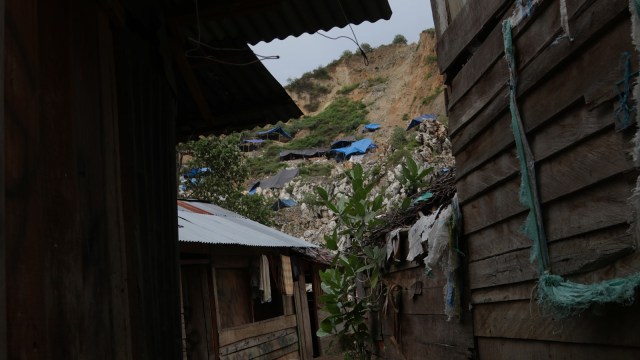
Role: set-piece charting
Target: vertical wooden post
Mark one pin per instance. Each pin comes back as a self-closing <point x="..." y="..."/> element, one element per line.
<point x="3" y="282"/>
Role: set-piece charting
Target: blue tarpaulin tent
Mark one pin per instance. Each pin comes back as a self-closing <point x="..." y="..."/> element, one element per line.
<point x="344" y="142"/>
<point x="283" y="203"/>
<point x="356" y="148"/>
<point x="275" y="130"/>
<point x="253" y="141"/>
<point x="372" y="127"/>
<point x="420" y="119"/>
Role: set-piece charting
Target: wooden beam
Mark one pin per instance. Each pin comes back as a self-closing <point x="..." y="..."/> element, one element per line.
<point x="507" y="349"/>
<point x="238" y="333"/>
<point x="3" y="249"/>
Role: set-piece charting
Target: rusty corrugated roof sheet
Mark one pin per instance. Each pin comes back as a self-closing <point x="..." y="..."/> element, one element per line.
<point x="211" y="224"/>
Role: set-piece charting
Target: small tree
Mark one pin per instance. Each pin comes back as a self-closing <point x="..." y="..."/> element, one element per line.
<point x="352" y="287"/>
<point x="224" y="181"/>
<point x="399" y="39"/>
<point x="366" y="47"/>
<point x="413" y="177"/>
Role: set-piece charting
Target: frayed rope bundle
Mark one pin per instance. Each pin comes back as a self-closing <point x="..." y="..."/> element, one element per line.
<point x="555" y="294"/>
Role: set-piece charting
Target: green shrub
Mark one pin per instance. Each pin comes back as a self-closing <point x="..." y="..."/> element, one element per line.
<point x="431" y="59"/>
<point x="315" y="169"/>
<point x="399" y="39"/>
<point x="366" y="47"/>
<point x="376" y="81"/>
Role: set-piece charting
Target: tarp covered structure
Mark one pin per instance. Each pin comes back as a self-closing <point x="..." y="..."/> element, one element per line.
<point x="276" y="181"/>
<point x="305" y="153"/>
<point x="344" y="142"/>
<point x="357" y="148"/>
<point x="420" y="119"/>
<point x="283" y="203"/>
<point x="278" y="130"/>
<point x="372" y="127"/>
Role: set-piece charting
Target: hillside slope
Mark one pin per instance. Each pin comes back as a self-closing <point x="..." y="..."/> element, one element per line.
<point x="400" y="83"/>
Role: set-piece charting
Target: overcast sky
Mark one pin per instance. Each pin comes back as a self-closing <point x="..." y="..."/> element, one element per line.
<point x="307" y="52"/>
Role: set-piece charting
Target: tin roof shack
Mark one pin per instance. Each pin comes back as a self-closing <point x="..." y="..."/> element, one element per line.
<point x="565" y="62"/>
<point x="91" y="91"/>
<point x="247" y="290"/>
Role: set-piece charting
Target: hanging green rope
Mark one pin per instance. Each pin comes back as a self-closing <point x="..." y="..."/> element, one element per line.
<point x="534" y="227"/>
<point x="556" y="294"/>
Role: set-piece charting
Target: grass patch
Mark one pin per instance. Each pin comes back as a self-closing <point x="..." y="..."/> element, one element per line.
<point x="315" y="169"/>
<point x="267" y="163"/>
<point x="348" y="89"/>
<point x="429" y="99"/>
<point x="305" y="83"/>
<point x="371" y="82"/>
<point x="430" y="59"/>
<point x="343" y="116"/>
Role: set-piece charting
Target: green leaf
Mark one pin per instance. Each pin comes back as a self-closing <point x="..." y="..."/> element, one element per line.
<point x="322" y="193"/>
<point x="332" y="240"/>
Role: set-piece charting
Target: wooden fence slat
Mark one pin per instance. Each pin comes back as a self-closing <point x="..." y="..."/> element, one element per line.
<point x="596" y="208"/>
<point x="578" y="254"/>
<point x="254" y="341"/>
<point x="508" y="349"/>
<point x="582" y="166"/>
<point x="579" y="123"/>
<point x="265" y="349"/>
<point x="542" y="65"/>
<point x="229" y="336"/>
<point x="614" y="325"/>
<point x="462" y="30"/>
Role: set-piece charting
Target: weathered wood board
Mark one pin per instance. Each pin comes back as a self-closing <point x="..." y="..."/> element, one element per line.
<point x="566" y="96"/>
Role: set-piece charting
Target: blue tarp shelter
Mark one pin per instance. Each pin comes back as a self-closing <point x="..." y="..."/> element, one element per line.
<point x="357" y="148"/>
<point x="278" y="130"/>
<point x="283" y="203"/>
<point x="372" y="127"/>
<point x="344" y="142"/>
<point x="253" y="141"/>
<point x="420" y="119"/>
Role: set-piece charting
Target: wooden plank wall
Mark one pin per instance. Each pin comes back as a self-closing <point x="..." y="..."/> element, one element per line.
<point x="3" y="251"/>
<point x="566" y="95"/>
<point x="93" y="268"/>
<point x="416" y="327"/>
<point x="271" y="339"/>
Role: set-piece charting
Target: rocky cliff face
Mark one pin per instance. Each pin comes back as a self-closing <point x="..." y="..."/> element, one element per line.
<point x="400" y="83"/>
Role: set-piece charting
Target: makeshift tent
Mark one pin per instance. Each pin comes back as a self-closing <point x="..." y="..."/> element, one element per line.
<point x="277" y="131"/>
<point x="356" y="148"/>
<point x="283" y="203"/>
<point x="302" y="154"/>
<point x="344" y="142"/>
<point x="276" y="181"/>
<point x="372" y="127"/>
<point x="420" y="119"/>
<point x="251" y="144"/>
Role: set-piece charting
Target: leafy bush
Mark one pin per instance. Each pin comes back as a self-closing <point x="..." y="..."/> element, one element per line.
<point x="366" y="47"/>
<point x="346" y="54"/>
<point x="413" y="177"/>
<point x="399" y="39"/>
<point x="355" y="263"/>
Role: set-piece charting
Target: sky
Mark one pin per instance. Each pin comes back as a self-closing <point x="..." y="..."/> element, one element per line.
<point x="307" y="52"/>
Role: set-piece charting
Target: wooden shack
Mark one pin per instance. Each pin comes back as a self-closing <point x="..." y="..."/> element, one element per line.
<point x="223" y="258"/>
<point x="94" y="96"/>
<point x="570" y="59"/>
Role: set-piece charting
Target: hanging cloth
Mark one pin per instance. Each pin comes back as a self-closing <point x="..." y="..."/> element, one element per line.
<point x="265" y="280"/>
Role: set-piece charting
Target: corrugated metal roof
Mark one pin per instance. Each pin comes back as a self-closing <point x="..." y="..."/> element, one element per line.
<point x="253" y="21"/>
<point x="216" y="94"/>
<point x="222" y="226"/>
